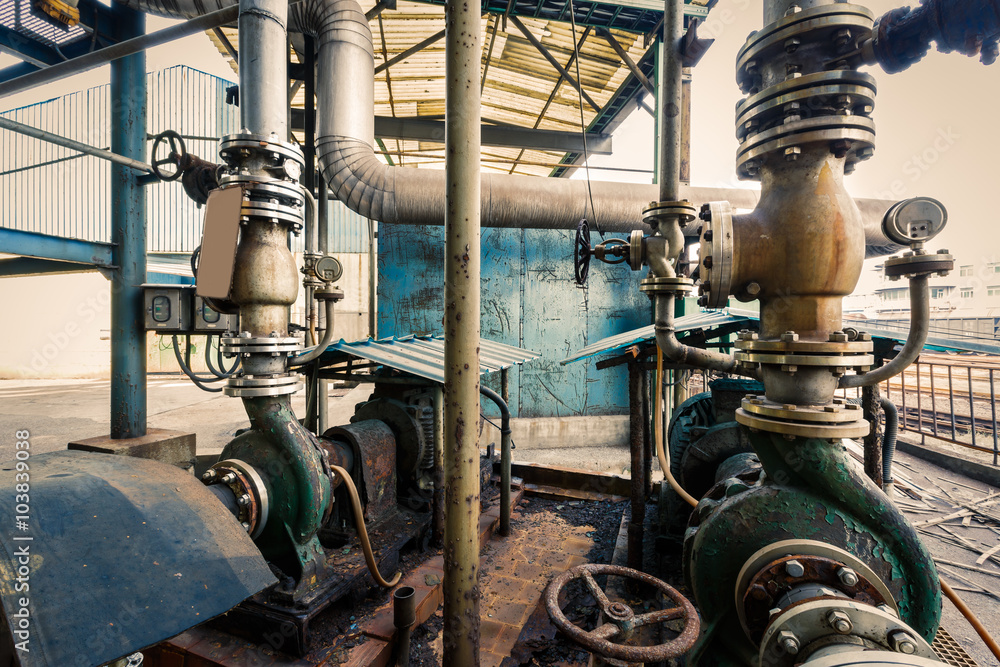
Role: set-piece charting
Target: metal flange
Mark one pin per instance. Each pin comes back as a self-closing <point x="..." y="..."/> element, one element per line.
<point x="858" y="130"/>
<point x="839" y="412"/>
<point x="807" y="346"/>
<point x="248" y="487"/>
<point x="262" y="187"/>
<point x="808" y="623"/>
<point x="259" y="143"/>
<point x="259" y="345"/>
<point x="911" y="264"/>
<point x="716" y="256"/>
<point x="683" y="211"/>
<point x="802" y="429"/>
<point x="247" y="386"/>
<point x="676" y="285"/>
<point x="800" y="359"/>
<point x="273" y="211"/>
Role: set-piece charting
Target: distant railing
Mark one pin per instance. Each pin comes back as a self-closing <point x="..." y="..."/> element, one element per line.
<point x="949" y="398"/>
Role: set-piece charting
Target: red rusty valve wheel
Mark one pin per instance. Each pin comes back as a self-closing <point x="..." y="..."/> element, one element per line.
<point x="622" y="619"/>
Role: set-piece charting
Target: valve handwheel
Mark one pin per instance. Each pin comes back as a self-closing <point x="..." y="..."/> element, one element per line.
<point x="177" y="153"/>
<point x="621" y="619"/>
<point x="581" y="253"/>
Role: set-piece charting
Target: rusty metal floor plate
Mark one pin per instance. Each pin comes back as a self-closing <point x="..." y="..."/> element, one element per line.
<point x="950" y="651"/>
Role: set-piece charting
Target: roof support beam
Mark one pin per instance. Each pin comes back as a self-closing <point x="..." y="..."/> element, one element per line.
<point x="623" y="54"/>
<point x="419" y="46"/>
<point x="32" y="266"/>
<point x="45" y="246"/>
<point x="489" y="53"/>
<point x="379" y="7"/>
<point x="552" y="61"/>
<point x="27" y="49"/>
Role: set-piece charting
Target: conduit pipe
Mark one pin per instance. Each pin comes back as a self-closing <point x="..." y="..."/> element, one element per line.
<point x="920" y="321"/>
<point x="314" y="353"/>
<point x="666" y="340"/>
<point x="400" y="195"/>
<point x="889" y="443"/>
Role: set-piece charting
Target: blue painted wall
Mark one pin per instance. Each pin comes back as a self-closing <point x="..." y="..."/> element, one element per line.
<point x="529" y="299"/>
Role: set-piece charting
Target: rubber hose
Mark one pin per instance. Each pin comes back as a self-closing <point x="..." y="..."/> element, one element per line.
<point x="888" y="441"/>
<point x="661" y="453"/>
<point x="359" y="520"/>
<point x="976" y="624"/>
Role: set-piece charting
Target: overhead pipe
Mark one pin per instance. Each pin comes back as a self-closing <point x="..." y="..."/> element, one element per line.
<point x="462" y="271"/>
<point x="86" y="149"/>
<point x="399" y="195"/>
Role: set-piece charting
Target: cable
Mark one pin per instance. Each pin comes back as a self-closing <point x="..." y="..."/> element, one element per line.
<point x="583" y="125"/>
<point x="191" y="376"/>
<point x="359" y="520"/>
<point x="219" y="372"/>
<point x="976" y="624"/>
<point x="658" y="435"/>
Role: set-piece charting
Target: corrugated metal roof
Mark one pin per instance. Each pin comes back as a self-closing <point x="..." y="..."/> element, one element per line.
<point x="521" y="87"/>
<point x="705" y="319"/>
<point x="423" y="356"/>
<point x="714" y="318"/>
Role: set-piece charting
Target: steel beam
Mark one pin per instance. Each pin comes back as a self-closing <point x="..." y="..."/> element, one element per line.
<point x="463" y="112"/>
<point x="45" y="246"/>
<point x="33" y="266"/>
<point x="27" y="49"/>
<point x="128" y="233"/>
<point x="555" y="63"/>
<point x="111" y="156"/>
<point x="623" y="54"/>
<point x="419" y="46"/>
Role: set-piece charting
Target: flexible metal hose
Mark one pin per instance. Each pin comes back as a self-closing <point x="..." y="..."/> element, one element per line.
<point x="888" y="442"/>
<point x="359" y="520"/>
<point x="661" y="453"/>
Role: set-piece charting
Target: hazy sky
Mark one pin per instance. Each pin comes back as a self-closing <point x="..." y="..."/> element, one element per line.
<point x="937" y="128"/>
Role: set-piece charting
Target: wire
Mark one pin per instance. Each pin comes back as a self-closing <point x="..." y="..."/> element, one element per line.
<point x="976" y="624"/>
<point x="191" y="376"/>
<point x="359" y="520"/>
<point x="583" y="125"/>
<point x="661" y="453"/>
<point x="221" y="372"/>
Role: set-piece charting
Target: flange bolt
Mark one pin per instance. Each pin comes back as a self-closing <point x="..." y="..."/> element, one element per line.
<point x="228" y="478"/>
<point x="794" y="568"/>
<point x="788" y="642"/>
<point x="902" y="642"/>
<point x="840" y="622"/>
<point x="847" y="576"/>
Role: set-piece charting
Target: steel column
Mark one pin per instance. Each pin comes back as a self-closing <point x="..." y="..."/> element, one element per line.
<point x="128" y="223"/>
<point x="505" y="459"/>
<point x="670" y="68"/>
<point x="636" y="475"/>
<point x="463" y="52"/>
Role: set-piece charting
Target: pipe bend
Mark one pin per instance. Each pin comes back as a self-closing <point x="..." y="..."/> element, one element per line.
<point x="313" y="353"/>
<point x="673" y="349"/>
<point x="920" y="318"/>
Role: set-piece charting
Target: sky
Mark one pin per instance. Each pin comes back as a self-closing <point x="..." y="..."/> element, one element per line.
<point x="937" y="133"/>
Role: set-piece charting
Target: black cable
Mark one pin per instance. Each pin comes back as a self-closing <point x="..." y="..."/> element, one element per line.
<point x="222" y="364"/>
<point x="191" y="376"/>
<point x="222" y="374"/>
<point x="583" y="125"/>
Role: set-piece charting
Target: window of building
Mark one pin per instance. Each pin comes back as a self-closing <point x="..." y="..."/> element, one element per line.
<point x="940" y="292"/>
<point x="965" y="270"/>
<point x="967" y="292"/>
<point x="899" y="294"/>
<point x="993" y="290"/>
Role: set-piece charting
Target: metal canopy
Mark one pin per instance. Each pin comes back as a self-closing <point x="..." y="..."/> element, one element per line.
<point x="423" y="356"/>
<point x="520" y="86"/>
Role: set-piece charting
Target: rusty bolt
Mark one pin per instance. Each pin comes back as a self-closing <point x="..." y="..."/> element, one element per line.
<point x="794" y="568"/>
<point x="838" y="337"/>
<point x="753" y="288"/>
<point x="208" y="476"/>
<point x="840" y="148"/>
<point x="840" y="622"/>
<point x="788" y="642"/>
<point x="751" y="68"/>
<point x="707" y="262"/>
<point x="792" y="45"/>
<point x="789" y="337"/>
<point x="847" y="576"/>
<point x="708" y="235"/>
<point x="792" y="152"/>
<point x="842" y="38"/>
<point x="902" y="642"/>
<point x="228" y="478"/>
<point x="243" y="500"/>
<point x="758" y="592"/>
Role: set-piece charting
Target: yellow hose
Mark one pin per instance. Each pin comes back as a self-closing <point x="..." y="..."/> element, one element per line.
<point x="359" y="520"/>
<point x="991" y="643"/>
<point x="661" y="452"/>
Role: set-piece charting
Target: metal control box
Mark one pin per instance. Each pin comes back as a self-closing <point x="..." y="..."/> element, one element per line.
<point x="208" y="320"/>
<point x="168" y="308"/>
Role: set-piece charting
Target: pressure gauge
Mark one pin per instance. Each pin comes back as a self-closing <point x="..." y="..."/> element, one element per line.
<point x="914" y="220"/>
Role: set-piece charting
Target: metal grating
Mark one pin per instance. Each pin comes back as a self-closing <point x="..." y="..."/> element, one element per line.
<point x="19" y="16"/>
<point x="950" y="651"/>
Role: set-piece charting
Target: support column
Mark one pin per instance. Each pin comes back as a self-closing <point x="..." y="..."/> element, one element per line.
<point x="463" y="53"/>
<point x="128" y="233"/>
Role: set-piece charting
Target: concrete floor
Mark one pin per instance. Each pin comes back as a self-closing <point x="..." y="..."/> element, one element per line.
<point x="59" y="411"/>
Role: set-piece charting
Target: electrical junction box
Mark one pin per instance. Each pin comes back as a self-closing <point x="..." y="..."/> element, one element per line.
<point x="208" y="320"/>
<point x="168" y="308"/>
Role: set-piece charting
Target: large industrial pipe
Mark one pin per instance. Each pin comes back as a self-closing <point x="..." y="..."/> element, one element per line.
<point x="461" y="323"/>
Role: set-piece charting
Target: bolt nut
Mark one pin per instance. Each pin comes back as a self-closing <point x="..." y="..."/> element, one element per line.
<point x="758" y="592"/>
<point x="246" y="526"/>
<point x="751" y="67"/>
<point x="789" y="337"/>
<point x="753" y="288"/>
<point x="788" y="642"/>
<point x="884" y="608"/>
<point x="792" y="45"/>
<point x="794" y="568"/>
<point x="794" y="9"/>
<point x="902" y="642"/>
<point x="847" y="576"/>
<point x="792" y="153"/>
<point x="228" y="478"/>
<point x="708" y="236"/>
<point x="840" y="622"/>
<point x="707" y="262"/>
<point x="842" y="38"/>
<point x="838" y="337"/>
<point x="208" y="476"/>
<point x="243" y="500"/>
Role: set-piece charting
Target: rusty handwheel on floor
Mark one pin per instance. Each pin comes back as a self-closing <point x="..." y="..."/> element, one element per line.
<point x="622" y="620"/>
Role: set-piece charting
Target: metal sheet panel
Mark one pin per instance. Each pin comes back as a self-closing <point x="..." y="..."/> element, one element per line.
<point x="120" y="553"/>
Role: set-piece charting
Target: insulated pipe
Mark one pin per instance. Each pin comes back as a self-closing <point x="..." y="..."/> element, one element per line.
<point x="920" y="322"/>
<point x="462" y="259"/>
<point x="889" y="443"/>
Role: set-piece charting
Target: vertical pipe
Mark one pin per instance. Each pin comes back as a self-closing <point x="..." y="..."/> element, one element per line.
<point x="372" y="279"/>
<point x="870" y="403"/>
<point x="437" y="526"/>
<point x="638" y="486"/>
<point x="463" y="53"/>
<point x="647" y="436"/>
<point x="668" y="102"/>
<point x="128" y="234"/>
<point x="309" y="147"/>
<point x="264" y="67"/>
<point x="505" y="459"/>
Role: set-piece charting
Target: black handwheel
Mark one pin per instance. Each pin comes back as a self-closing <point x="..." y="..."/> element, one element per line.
<point x="621" y="619"/>
<point x="582" y="253"/>
<point x="177" y="152"/>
